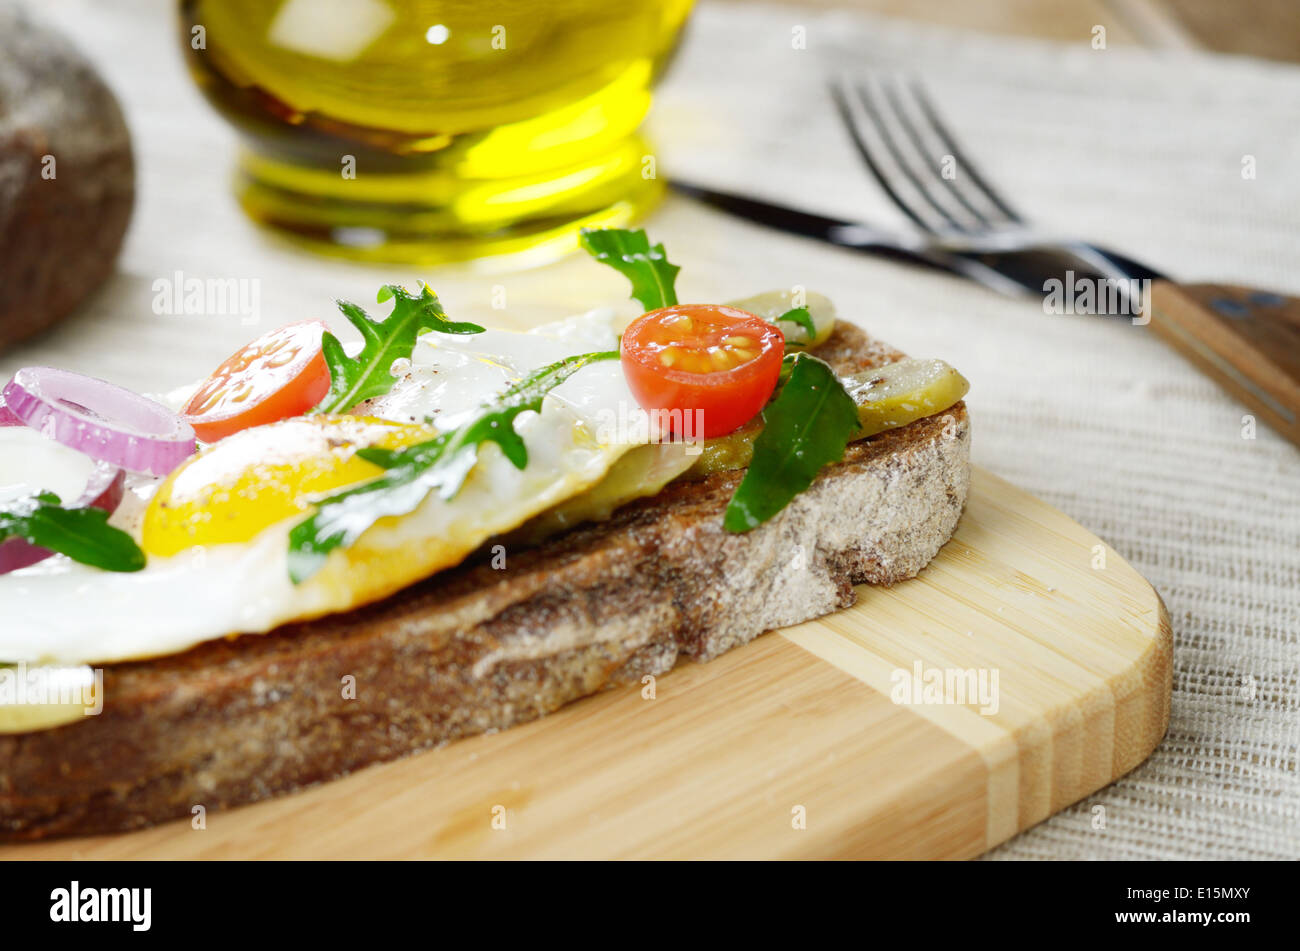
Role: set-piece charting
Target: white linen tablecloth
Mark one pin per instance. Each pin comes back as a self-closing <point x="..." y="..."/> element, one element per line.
<point x="1139" y="150"/>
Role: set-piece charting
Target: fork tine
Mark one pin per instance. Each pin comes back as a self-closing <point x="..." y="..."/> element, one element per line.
<point x="925" y="155"/>
<point x="941" y="131"/>
<point x="925" y="208"/>
<point x="864" y="150"/>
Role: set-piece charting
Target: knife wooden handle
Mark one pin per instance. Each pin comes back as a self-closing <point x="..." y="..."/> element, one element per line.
<point x="1247" y="340"/>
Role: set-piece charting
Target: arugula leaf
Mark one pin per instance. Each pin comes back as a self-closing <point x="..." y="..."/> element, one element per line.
<point x="369" y="373"/>
<point x="806" y="427"/>
<point x="630" y="253"/>
<point x="83" y="535"/>
<point x="800" y="316"/>
<point x="440" y="464"/>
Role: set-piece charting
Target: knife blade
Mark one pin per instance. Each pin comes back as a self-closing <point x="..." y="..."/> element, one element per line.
<point x="1011" y="272"/>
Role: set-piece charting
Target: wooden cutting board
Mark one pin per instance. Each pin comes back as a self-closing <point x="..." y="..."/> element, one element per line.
<point x="790" y="747"/>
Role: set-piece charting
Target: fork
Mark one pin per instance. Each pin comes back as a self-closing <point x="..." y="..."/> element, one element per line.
<point x="916" y="160"/>
<point x="1246" y="339"/>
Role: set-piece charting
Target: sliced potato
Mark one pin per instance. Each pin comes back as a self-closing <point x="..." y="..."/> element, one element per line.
<point x="772" y="304"/>
<point x="638" y="473"/>
<point x="899" y="393"/>
<point x="39" y="698"/>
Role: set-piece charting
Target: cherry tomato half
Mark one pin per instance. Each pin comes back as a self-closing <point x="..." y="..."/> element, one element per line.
<point x="720" y="360"/>
<point x="280" y="374"/>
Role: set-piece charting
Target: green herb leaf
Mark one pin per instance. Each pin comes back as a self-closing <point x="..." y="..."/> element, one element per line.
<point x="369" y="373"/>
<point x="83" y="535"/>
<point x="440" y="464"/>
<point x="630" y="253"/>
<point x="800" y="316"/>
<point x="806" y="427"/>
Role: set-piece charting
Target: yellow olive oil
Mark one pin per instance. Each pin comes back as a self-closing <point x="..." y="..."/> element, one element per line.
<point x="436" y="130"/>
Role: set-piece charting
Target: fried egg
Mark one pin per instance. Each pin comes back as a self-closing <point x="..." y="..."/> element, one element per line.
<point x="217" y="529"/>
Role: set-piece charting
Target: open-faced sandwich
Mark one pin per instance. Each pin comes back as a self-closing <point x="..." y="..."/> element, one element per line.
<point x="325" y="555"/>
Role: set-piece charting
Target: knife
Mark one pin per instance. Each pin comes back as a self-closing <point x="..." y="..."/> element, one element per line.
<point x="1012" y="273"/>
<point x="849" y="234"/>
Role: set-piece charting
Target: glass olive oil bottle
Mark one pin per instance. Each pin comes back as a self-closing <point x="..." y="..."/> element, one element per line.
<point x="427" y="131"/>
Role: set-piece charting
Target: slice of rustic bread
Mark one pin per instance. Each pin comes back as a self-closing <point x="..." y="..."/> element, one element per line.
<point x="481" y="647"/>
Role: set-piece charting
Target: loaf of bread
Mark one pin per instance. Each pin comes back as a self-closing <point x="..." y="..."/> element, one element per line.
<point x="67" y="179"/>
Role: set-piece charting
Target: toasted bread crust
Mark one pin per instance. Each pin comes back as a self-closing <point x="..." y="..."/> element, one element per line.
<point x="481" y="648"/>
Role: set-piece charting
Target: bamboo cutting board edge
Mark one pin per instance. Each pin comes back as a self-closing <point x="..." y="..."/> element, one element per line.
<point x="1061" y="751"/>
<point x="729" y="754"/>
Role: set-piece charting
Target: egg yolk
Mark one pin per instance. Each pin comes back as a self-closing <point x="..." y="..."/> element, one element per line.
<point x="263" y="475"/>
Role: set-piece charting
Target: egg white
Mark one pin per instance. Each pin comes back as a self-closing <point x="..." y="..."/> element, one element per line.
<point x="58" y="611"/>
<point x="30" y="460"/>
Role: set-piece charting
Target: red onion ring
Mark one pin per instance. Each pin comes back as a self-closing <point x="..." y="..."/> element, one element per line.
<point x="104" y="490"/>
<point x="7" y="418"/>
<point x="106" y="422"/>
